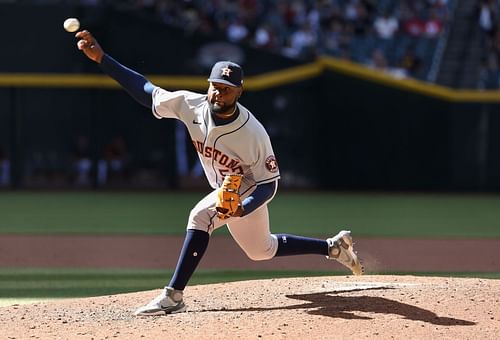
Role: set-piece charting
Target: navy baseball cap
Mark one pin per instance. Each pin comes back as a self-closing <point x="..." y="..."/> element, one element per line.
<point x="227" y="72"/>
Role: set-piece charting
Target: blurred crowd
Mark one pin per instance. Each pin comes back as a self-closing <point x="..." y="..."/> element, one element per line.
<point x="396" y="36"/>
<point x="488" y="16"/>
<point x="78" y="167"/>
<point x="385" y="34"/>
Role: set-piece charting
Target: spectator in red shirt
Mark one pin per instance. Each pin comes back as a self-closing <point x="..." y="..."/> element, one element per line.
<point x="414" y="26"/>
<point x="433" y="26"/>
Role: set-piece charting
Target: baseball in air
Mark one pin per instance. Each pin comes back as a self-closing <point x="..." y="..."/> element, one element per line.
<point x="71" y="24"/>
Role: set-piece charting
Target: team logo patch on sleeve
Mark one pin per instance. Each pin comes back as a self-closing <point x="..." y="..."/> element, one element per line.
<point x="271" y="164"/>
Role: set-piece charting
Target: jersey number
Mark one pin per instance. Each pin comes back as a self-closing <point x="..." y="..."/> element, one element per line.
<point x="237" y="171"/>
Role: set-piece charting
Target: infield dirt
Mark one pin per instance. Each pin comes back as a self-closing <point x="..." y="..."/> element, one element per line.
<point x="346" y="307"/>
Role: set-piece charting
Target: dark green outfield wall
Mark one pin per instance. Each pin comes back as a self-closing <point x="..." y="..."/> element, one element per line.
<point x="384" y="137"/>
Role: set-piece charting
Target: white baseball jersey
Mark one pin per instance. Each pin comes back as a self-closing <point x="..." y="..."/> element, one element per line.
<point x="240" y="147"/>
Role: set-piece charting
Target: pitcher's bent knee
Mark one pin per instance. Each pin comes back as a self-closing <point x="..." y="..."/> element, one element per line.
<point x="262" y="254"/>
<point x="259" y="257"/>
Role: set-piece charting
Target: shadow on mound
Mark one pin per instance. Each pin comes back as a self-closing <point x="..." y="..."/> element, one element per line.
<point x="335" y="306"/>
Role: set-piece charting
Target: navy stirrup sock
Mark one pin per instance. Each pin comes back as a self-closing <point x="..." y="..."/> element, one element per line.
<point x="299" y="245"/>
<point x="195" y="244"/>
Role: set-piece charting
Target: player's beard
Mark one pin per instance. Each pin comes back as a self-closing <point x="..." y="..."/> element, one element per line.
<point x="221" y="109"/>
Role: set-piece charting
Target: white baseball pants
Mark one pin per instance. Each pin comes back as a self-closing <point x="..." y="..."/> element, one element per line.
<point x="251" y="232"/>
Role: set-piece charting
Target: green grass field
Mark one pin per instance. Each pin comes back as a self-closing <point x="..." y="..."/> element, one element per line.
<point x="387" y="215"/>
<point x="35" y="284"/>
<point x="367" y="214"/>
<point x="58" y="283"/>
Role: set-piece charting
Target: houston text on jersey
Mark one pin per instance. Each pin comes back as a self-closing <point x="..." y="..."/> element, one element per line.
<point x="218" y="156"/>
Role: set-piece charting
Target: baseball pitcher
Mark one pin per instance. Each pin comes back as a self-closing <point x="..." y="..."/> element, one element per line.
<point x="239" y="163"/>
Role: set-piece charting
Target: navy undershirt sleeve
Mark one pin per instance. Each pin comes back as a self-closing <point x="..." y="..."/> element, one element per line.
<point x="134" y="83"/>
<point x="258" y="197"/>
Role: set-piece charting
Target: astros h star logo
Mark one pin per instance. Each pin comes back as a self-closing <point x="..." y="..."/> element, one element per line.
<point x="226" y="71"/>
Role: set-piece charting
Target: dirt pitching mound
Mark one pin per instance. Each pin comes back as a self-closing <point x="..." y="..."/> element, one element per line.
<point x="385" y="307"/>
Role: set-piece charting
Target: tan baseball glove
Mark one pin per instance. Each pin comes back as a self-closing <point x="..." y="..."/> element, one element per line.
<point x="228" y="200"/>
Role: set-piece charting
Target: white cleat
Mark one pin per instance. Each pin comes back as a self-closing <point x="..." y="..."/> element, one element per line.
<point x="168" y="302"/>
<point x="340" y="249"/>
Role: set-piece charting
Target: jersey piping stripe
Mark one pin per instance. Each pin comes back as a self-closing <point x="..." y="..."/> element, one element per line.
<point x="156" y="114"/>
<point x="153" y="107"/>
<point x="206" y="125"/>
<point x="211" y="226"/>
<point x="268" y="179"/>
<point x="260" y="182"/>
<point x="225" y="134"/>
<point x="275" y="191"/>
<point x="250" y="187"/>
